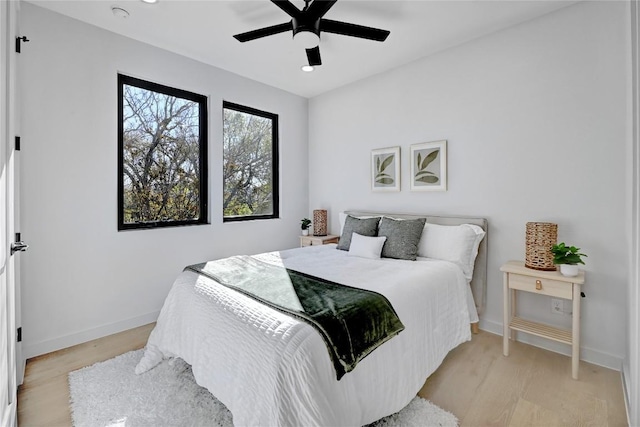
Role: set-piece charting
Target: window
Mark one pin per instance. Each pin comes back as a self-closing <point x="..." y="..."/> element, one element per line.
<point x="162" y="155"/>
<point x="250" y="163"/>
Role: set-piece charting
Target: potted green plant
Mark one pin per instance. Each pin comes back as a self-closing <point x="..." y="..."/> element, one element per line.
<point x="304" y="225"/>
<point x="568" y="258"/>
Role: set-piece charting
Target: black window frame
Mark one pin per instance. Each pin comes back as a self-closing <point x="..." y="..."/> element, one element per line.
<point x="275" y="161"/>
<point x="203" y="150"/>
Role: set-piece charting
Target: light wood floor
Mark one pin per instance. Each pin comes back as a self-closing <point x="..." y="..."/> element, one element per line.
<point x="531" y="387"/>
<point x="43" y="398"/>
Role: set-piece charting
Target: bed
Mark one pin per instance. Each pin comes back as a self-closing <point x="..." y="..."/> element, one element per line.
<point x="270" y="368"/>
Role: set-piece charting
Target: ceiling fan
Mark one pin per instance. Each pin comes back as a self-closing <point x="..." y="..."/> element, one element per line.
<point x="308" y="23"/>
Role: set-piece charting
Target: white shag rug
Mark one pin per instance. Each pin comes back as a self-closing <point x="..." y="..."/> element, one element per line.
<point x="110" y="394"/>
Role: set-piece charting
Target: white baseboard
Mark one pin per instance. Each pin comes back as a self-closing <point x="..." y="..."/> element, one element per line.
<point x="30" y="350"/>
<point x="624" y="375"/>
<point x="590" y="355"/>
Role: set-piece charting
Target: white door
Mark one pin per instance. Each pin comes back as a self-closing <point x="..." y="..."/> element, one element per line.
<point x="8" y="131"/>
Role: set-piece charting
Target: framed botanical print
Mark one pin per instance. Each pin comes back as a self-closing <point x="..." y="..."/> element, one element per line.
<point x="429" y="166"/>
<point x="385" y="169"/>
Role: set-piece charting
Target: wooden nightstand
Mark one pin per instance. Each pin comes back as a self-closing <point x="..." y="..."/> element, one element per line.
<point x="517" y="277"/>
<point x="318" y="240"/>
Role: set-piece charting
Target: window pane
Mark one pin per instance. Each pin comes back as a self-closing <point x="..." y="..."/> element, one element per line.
<point x="162" y="146"/>
<point x="250" y="157"/>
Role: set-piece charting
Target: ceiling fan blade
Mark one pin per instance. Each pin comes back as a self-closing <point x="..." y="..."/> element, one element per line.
<point x="353" y="30"/>
<point x="287" y="7"/>
<point x="313" y="55"/>
<point x="264" y="32"/>
<point x="319" y="7"/>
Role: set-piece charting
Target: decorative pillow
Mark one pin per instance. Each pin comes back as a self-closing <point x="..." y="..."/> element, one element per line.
<point x="342" y="217"/>
<point x="403" y="236"/>
<point x="362" y="226"/>
<point x="366" y="247"/>
<point x="455" y="243"/>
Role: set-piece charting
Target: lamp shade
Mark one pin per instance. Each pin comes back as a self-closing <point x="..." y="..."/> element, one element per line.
<point x="540" y="237"/>
<point x="320" y="222"/>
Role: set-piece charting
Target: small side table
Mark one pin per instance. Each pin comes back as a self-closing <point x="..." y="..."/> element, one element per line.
<point x="318" y="240"/>
<point x="517" y="277"/>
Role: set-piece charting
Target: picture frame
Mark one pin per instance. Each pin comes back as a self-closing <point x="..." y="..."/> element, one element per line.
<point x="385" y="169"/>
<point x="429" y="166"/>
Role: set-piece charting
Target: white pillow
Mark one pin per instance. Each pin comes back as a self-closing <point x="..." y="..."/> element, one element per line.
<point x="365" y="246"/>
<point x="456" y="243"/>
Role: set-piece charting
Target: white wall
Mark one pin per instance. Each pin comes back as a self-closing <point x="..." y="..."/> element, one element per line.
<point x="81" y="278"/>
<point x="536" y="118"/>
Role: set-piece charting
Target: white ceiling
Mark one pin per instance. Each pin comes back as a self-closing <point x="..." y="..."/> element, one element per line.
<point x="204" y="29"/>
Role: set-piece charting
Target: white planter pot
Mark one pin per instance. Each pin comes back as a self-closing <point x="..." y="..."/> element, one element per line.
<point x="305" y="232"/>
<point x="569" y="270"/>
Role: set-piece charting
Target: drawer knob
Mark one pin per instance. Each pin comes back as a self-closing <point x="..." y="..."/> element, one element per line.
<point x="538" y="285"/>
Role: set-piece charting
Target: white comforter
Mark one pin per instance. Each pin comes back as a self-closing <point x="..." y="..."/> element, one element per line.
<point x="270" y="369"/>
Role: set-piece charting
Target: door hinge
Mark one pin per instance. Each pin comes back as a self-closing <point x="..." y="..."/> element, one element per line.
<point x="19" y="334"/>
<point x="19" y="40"/>
<point x="17" y="143"/>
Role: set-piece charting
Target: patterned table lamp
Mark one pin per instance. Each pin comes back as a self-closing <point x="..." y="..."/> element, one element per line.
<point x="320" y="222"/>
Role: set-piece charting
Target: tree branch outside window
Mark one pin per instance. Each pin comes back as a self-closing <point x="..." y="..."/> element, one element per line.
<point x="250" y="167"/>
<point x="162" y="146"/>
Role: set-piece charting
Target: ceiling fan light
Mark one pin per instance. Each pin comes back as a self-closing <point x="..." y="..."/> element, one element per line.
<point x="306" y="39"/>
<point x="307" y="68"/>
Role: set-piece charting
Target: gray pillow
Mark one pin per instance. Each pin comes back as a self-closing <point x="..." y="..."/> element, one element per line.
<point x="362" y="226"/>
<point x="403" y="237"/>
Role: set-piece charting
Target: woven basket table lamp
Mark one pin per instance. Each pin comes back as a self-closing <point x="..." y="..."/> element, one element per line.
<point x="541" y="236"/>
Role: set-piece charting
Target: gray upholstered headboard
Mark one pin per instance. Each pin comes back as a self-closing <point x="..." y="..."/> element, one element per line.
<point x="479" y="280"/>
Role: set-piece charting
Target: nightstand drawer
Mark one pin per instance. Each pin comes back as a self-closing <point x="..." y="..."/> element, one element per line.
<point x="542" y="286"/>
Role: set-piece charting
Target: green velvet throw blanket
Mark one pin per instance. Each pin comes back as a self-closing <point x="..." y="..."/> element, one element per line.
<point x="353" y="322"/>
